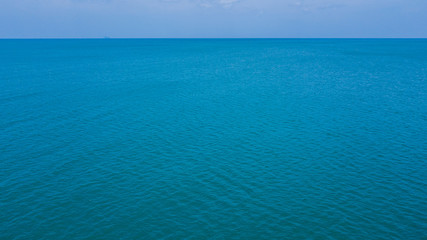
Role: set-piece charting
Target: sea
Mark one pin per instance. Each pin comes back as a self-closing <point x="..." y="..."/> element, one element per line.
<point x="213" y="139"/>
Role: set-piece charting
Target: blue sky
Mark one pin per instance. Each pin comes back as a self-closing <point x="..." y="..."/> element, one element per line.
<point x="212" y="18"/>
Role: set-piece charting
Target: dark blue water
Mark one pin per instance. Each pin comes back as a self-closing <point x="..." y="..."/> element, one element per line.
<point x="213" y="139"/>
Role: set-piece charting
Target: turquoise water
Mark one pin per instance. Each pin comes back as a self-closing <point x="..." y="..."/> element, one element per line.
<point x="213" y="139"/>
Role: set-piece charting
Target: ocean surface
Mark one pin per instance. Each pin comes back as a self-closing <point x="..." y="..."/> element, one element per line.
<point x="213" y="139"/>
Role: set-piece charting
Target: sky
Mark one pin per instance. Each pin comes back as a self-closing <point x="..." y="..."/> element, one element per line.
<point x="213" y="18"/>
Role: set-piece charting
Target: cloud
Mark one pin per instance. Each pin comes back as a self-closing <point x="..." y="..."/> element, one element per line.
<point x="227" y="3"/>
<point x="208" y="3"/>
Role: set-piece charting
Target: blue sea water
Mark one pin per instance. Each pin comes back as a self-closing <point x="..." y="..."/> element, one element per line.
<point x="213" y="139"/>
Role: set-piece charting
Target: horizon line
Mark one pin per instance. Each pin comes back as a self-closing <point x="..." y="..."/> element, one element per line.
<point x="165" y="38"/>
